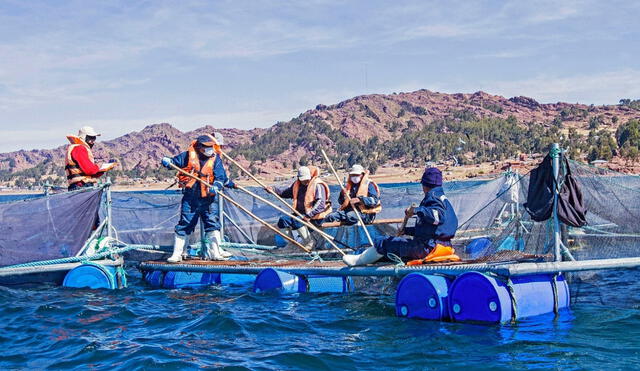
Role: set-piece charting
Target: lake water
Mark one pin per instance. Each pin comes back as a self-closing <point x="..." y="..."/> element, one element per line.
<point x="233" y="328"/>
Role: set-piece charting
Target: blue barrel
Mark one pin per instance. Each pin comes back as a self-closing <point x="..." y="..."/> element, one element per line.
<point x="237" y="279"/>
<point x="271" y="279"/>
<point x="93" y="276"/>
<point x="423" y="296"/>
<point x="476" y="297"/>
<point x="182" y="280"/>
<point x="154" y="278"/>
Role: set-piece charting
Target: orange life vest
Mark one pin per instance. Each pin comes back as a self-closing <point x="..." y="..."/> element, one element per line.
<point x="363" y="190"/>
<point x="72" y="169"/>
<point x="193" y="167"/>
<point x="310" y="195"/>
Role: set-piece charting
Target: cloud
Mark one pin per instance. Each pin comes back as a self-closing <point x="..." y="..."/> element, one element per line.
<point x="602" y="88"/>
<point x="54" y="136"/>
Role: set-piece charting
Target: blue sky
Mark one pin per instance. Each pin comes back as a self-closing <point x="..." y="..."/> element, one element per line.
<point x="122" y="65"/>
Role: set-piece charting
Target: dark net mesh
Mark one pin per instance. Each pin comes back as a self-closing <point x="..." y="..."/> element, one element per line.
<point x="47" y="227"/>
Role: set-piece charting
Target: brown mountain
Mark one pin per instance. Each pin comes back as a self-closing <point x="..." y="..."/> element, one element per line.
<point x="386" y="117"/>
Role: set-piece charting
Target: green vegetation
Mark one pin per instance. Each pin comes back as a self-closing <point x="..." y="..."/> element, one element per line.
<point x="635" y="104"/>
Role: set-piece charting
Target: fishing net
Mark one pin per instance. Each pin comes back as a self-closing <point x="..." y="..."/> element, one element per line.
<point x="149" y="218"/>
<point x="47" y="227"/>
<point x="493" y="223"/>
<point x="503" y="231"/>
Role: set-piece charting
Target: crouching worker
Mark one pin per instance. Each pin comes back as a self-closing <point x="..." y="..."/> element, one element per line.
<point x="363" y="193"/>
<point x="310" y="198"/>
<point x="436" y="225"/>
<point x="203" y="160"/>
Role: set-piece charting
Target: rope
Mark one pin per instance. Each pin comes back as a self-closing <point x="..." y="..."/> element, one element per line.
<point x="74" y="259"/>
<point x="554" y="287"/>
<point x="396" y="259"/>
<point x="512" y="295"/>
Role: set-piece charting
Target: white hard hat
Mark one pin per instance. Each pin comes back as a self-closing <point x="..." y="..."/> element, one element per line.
<point x="219" y="139"/>
<point x="87" y="131"/>
<point x="304" y="173"/>
<point x="356" y="169"/>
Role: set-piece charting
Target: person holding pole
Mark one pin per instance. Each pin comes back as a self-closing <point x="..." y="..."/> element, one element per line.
<point x="436" y="225"/>
<point x="199" y="201"/>
<point x="363" y="194"/>
<point x="310" y="196"/>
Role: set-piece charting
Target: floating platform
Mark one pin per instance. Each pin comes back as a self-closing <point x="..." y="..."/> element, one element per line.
<point x="338" y="268"/>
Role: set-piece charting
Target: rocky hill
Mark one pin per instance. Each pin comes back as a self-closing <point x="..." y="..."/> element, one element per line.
<point x="377" y="129"/>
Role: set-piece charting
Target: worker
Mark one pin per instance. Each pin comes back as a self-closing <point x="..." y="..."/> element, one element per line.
<point x="199" y="202"/>
<point x="363" y="194"/>
<point x="80" y="167"/>
<point x="435" y="226"/>
<point x="310" y="196"/>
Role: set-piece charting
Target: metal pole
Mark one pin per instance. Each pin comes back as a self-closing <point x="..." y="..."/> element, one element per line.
<point x="221" y="214"/>
<point x="203" y="240"/>
<point x="109" y="220"/>
<point x="555" y="157"/>
<point x="242" y="232"/>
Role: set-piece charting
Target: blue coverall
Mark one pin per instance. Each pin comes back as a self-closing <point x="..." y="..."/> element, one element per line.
<point x="193" y="205"/>
<point x="436" y="223"/>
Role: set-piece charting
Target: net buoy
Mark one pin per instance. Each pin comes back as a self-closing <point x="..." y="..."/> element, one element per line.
<point x="181" y="280"/>
<point x="423" y="296"/>
<point x="476" y="297"/>
<point x="273" y="280"/>
<point x="93" y="276"/>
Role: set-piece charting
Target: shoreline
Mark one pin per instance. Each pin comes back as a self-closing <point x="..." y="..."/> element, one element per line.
<point x="382" y="176"/>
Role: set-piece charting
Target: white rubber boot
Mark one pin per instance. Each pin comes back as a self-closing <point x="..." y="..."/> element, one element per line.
<point x="307" y="241"/>
<point x="178" y="248"/>
<point x="213" y="249"/>
<point x="218" y="237"/>
<point x="368" y="256"/>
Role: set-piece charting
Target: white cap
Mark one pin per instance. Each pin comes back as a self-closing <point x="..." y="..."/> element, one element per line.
<point x="356" y="169"/>
<point x="304" y="173"/>
<point x="87" y="131"/>
<point x="219" y="139"/>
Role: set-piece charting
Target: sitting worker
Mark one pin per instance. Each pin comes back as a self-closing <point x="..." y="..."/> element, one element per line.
<point x="436" y="225"/>
<point x="363" y="193"/>
<point x="310" y="196"/>
<point x="80" y="167"/>
<point x="199" y="201"/>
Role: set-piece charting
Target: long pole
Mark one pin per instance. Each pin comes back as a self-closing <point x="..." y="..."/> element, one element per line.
<point x="346" y="195"/>
<point x="227" y="198"/>
<point x="326" y="236"/>
<point x="555" y="156"/>
<point x="268" y="189"/>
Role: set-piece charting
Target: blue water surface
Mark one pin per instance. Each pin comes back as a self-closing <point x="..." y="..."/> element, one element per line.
<point x="233" y="328"/>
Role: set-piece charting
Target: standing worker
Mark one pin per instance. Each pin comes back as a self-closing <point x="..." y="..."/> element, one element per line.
<point x="363" y="194"/>
<point x="436" y="225"/>
<point x="80" y="167"/>
<point x="310" y="196"/>
<point x="199" y="201"/>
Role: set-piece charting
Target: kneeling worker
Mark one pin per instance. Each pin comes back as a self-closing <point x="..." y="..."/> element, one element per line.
<point x="436" y="225"/>
<point x="198" y="200"/>
<point x="363" y="193"/>
<point x="80" y="167"/>
<point x="310" y="196"/>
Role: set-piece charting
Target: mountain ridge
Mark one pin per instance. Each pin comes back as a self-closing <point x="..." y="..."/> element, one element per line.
<point x="375" y="125"/>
